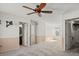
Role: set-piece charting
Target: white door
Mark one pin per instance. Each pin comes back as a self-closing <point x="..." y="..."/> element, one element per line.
<point x="68" y="37"/>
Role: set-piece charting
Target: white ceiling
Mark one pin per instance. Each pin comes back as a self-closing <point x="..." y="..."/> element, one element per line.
<point x="17" y="9"/>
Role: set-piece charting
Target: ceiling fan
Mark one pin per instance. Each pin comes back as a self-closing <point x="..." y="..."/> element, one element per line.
<point x="38" y="9"/>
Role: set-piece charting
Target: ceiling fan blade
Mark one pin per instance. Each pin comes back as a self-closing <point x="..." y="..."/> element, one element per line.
<point x="28" y="8"/>
<point x="47" y="12"/>
<point x="30" y="13"/>
<point x="42" y="5"/>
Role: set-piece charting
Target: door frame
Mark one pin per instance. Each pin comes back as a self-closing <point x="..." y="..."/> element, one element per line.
<point x="24" y="43"/>
<point x="35" y="25"/>
<point x="67" y="40"/>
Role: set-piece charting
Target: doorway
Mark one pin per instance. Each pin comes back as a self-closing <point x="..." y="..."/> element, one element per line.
<point x="23" y="34"/>
<point x="33" y="32"/>
<point x="71" y="34"/>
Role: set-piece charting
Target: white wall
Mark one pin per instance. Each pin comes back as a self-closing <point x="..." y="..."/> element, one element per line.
<point x="51" y="30"/>
<point x="71" y="14"/>
<point x="41" y="28"/>
<point x="54" y="25"/>
<point x="10" y="31"/>
<point x="13" y="30"/>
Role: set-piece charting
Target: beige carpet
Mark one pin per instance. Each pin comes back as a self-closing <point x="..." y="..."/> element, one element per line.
<point x="41" y="49"/>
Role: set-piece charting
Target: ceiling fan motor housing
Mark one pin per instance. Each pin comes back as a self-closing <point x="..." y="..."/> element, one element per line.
<point x="37" y="10"/>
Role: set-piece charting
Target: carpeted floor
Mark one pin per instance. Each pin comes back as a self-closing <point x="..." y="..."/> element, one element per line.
<point x="41" y="49"/>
